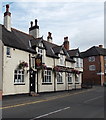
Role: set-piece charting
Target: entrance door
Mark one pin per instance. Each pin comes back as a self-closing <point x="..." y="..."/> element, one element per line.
<point x="32" y="81"/>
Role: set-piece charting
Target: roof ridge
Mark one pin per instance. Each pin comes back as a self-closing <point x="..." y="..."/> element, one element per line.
<point x="50" y="43"/>
<point x="22" y="32"/>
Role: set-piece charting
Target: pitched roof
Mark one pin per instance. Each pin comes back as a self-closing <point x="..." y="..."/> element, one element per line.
<point x="94" y="51"/>
<point x="49" y="49"/>
<point x="20" y="40"/>
<point x="16" y="39"/>
<point x="74" y="53"/>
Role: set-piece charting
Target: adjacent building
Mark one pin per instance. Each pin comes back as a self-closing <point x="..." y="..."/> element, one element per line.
<point x="33" y="65"/>
<point x="94" y="71"/>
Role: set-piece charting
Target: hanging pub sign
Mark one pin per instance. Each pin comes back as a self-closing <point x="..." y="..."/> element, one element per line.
<point x="38" y="62"/>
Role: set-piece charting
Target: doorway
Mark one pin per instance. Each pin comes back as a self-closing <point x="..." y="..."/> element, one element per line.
<point x="32" y="81"/>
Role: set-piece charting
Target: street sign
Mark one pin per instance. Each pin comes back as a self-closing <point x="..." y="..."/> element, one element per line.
<point x="101" y="73"/>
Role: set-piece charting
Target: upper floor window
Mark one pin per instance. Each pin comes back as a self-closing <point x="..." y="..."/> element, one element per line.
<point x="19" y="76"/>
<point x="91" y="59"/>
<point x="33" y="62"/>
<point x="77" y="62"/>
<point x="40" y="51"/>
<point x="47" y="76"/>
<point x="40" y="44"/>
<point x="61" y="60"/>
<point x="59" y="77"/>
<point x="81" y="62"/>
<point x="8" y="52"/>
<point x="92" y="67"/>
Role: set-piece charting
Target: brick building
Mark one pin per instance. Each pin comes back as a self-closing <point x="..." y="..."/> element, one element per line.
<point x="94" y="63"/>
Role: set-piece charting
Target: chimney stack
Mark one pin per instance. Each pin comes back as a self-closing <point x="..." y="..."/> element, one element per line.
<point x="7" y="19"/>
<point x="49" y="37"/>
<point x="66" y="43"/>
<point x="34" y="30"/>
<point x="100" y="46"/>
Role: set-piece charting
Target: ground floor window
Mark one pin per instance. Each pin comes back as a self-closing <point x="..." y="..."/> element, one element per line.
<point x="59" y="77"/>
<point x="69" y="77"/>
<point x="47" y="76"/>
<point x="19" y="76"/>
<point x="76" y="78"/>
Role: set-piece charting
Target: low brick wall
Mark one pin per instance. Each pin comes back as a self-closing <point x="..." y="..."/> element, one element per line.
<point x="0" y="95"/>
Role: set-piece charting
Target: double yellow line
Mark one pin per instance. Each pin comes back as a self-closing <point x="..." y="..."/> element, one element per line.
<point x="44" y="100"/>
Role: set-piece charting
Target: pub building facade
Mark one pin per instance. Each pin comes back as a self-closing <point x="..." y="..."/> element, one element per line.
<point x="34" y="65"/>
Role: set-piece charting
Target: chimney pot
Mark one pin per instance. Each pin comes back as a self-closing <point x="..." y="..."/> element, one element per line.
<point x="100" y="46"/>
<point x="7" y="8"/>
<point x="36" y="22"/>
<point x="31" y="24"/>
<point x="49" y="34"/>
<point x="65" y="38"/>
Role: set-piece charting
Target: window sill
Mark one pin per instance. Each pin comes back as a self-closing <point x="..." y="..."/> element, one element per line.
<point x="19" y="83"/>
<point x="70" y="83"/>
<point x="60" y="83"/>
<point x="77" y="83"/>
<point x="8" y="56"/>
<point x="46" y="83"/>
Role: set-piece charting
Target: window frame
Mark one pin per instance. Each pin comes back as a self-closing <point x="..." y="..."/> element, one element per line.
<point x="8" y="51"/>
<point x="78" y="78"/>
<point x="69" y="75"/>
<point x="20" y="75"/>
<point x="91" y="59"/>
<point x="40" y="51"/>
<point x="47" y="78"/>
<point x="59" y="77"/>
<point x="91" y="68"/>
<point x="61" y="59"/>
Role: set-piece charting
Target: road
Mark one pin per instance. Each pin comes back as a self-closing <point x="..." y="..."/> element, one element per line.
<point x="87" y="103"/>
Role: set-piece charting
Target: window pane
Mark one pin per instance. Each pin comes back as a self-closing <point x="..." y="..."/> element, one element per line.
<point x="8" y="51"/>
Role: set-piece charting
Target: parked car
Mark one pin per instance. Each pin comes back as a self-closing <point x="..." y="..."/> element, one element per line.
<point x="104" y="84"/>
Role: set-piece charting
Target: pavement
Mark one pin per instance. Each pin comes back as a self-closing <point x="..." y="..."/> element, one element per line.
<point x="14" y="99"/>
<point x="85" y="103"/>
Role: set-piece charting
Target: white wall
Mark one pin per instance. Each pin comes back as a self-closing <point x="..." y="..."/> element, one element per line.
<point x="10" y="64"/>
<point x="1" y="60"/>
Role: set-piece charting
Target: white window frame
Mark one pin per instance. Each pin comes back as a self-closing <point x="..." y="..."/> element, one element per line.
<point x="61" y="59"/>
<point x="69" y="76"/>
<point x="77" y="62"/>
<point x="47" y="76"/>
<point x="92" y="67"/>
<point x="40" y="51"/>
<point x="40" y="44"/>
<point x="91" y="59"/>
<point x="33" y="62"/>
<point x="77" y="78"/>
<point x="8" y="51"/>
<point x="59" y="77"/>
<point x="19" y="77"/>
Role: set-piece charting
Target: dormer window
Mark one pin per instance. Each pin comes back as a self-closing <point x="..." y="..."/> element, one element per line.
<point x="61" y="51"/>
<point x="40" y="44"/>
<point x="40" y="51"/>
<point x="8" y="52"/>
<point x="77" y="54"/>
<point x="61" y="60"/>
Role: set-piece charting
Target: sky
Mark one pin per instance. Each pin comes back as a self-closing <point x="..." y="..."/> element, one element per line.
<point x="82" y="21"/>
